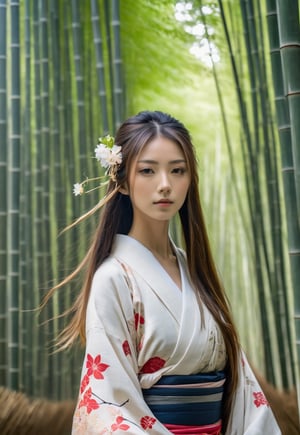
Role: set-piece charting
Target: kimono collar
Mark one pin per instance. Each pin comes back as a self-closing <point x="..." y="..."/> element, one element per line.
<point x="144" y="263"/>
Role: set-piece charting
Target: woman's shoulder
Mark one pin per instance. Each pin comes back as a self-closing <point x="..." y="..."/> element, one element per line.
<point x="110" y="283"/>
<point x="110" y="270"/>
<point x="110" y="296"/>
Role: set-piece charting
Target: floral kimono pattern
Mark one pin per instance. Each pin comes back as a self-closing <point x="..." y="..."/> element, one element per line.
<point x="141" y="326"/>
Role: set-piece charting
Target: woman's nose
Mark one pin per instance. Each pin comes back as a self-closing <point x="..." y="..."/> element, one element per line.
<point x="164" y="183"/>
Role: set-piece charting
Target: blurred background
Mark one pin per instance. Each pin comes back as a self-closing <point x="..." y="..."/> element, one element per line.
<point x="71" y="71"/>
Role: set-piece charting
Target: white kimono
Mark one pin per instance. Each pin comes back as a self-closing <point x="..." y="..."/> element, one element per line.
<point x="141" y="326"/>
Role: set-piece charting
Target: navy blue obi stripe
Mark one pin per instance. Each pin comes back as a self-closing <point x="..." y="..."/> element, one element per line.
<point x="184" y="405"/>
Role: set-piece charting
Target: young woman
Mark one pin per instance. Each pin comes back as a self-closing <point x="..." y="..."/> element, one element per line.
<point x="162" y="352"/>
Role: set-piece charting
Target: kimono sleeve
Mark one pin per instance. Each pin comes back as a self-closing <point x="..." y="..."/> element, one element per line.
<point x="251" y="413"/>
<point x="110" y="396"/>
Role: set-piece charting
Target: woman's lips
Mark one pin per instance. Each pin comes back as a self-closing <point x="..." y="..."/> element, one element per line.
<point x="164" y="202"/>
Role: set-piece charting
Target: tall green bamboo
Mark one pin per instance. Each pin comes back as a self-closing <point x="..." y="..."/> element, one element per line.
<point x="263" y="185"/>
<point x="230" y="241"/>
<point x="46" y="162"/>
<point x="107" y="13"/>
<point x="226" y="126"/>
<point x="117" y="64"/>
<point x="61" y="116"/>
<point x="26" y="230"/>
<point x="13" y="205"/>
<point x="289" y="39"/>
<point x="79" y="147"/>
<point x="3" y="183"/>
<point x="56" y="171"/>
<point x="287" y="161"/>
<point x="39" y="275"/>
<point x="70" y="148"/>
<point x="254" y="199"/>
<point x="101" y="75"/>
<point x="275" y="248"/>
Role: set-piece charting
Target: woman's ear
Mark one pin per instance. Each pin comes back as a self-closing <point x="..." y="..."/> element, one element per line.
<point x="124" y="189"/>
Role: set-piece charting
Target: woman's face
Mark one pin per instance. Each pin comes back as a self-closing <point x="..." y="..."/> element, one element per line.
<point x="158" y="181"/>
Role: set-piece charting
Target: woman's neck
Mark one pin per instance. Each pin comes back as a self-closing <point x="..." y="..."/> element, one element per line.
<point x="155" y="239"/>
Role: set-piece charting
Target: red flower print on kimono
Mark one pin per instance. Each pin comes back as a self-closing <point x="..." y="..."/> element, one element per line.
<point x="119" y="425"/>
<point x="88" y="402"/>
<point x="260" y="399"/>
<point x="126" y="347"/>
<point x="153" y="364"/>
<point x="140" y="344"/>
<point x="139" y="320"/>
<point x="147" y="422"/>
<point x="85" y="381"/>
<point x="95" y="367"/>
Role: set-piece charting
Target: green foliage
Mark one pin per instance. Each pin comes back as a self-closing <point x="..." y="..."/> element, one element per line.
<point x="80" y="68"/>
<point x="283" y="25"/>
<point x="264" y="189"/>
<point x="51" y="54"/>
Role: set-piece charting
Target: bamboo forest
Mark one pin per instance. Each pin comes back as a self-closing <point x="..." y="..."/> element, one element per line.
<point x="72" y="71"/>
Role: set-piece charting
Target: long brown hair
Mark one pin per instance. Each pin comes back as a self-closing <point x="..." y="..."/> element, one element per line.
<point x="116" y="217"/>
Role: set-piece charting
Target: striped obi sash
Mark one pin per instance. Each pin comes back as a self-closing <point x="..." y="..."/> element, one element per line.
<point x="188" y="404"/>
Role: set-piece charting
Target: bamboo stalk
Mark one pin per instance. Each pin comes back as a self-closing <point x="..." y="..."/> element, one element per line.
<point x="26" y="224"/>
<point x="226" y="128"/>
<point x="56" y="191"/>
<point x="3" y="196"/>
<point x="79" y="121"/>
<point x="272" y="219"/>
<point x="98" y="43"/>
<point x="70" y="148"/>
<point x="13" y="192"/>
<point x="106" y="8"/>
<point x="289" y="35"/>
<point x="117" y="63"/>
<point x="56" y="123"/>
<point x="287" y="160"/>
<point x="253" y="198"/>
<point x="43" y="157"/>
<point x="260" y="167"/>
<point x="37" y="213"/>
<point x="281" y="289"/>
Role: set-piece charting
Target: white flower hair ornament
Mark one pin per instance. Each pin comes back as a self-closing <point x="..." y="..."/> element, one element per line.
<point x="109" y="156"/>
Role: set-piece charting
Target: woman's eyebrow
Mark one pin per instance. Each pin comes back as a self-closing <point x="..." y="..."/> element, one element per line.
<point x="155" y="162"/>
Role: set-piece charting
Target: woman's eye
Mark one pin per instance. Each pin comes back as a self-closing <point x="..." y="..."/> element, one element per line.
<point x="146" y="171"/>
<point x="179" y="170"/>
